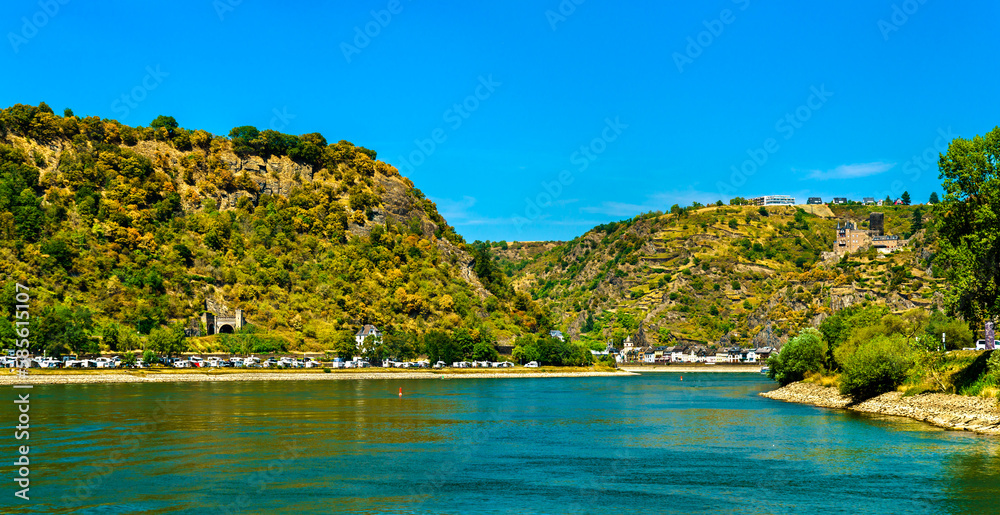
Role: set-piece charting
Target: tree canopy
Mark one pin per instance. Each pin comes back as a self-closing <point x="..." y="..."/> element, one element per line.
<point x="968" y="222"/>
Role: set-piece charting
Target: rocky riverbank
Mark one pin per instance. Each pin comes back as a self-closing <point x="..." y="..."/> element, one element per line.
<point x="977" y="414"/>
<point x="161" y="377"/>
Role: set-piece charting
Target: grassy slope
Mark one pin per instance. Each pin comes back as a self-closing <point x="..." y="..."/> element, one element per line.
<point x="299" y="261"/>
<point x="671" y="273"/>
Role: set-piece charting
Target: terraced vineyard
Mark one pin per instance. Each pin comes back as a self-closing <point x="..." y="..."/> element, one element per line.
<point x="733" y="274"/>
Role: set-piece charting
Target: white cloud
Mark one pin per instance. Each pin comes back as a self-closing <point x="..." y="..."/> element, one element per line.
<point x="853" y="171"/>
<point x="660" y="201"/>
<point x="614" y="209"/>
<point x="455" y="210"/>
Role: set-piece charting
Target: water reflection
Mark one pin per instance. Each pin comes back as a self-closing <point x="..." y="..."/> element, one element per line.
<point x="649" y="444"/>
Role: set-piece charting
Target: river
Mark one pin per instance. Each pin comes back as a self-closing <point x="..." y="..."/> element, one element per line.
<point x="658" y="443"/>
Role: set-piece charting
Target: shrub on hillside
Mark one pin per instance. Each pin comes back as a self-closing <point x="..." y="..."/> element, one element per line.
<point x="878" y="366"/>
<point x="804" y="353"/>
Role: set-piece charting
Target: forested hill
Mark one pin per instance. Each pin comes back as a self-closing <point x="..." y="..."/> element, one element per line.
<point x="140" y="225"/>
<point x="736" y="274"/>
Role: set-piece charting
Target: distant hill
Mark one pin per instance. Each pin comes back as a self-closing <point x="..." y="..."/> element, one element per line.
<point x="727" y="274"/>
<point x="142" y="225"/>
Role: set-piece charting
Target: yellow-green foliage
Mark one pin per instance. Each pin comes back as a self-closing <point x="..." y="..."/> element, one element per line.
<point x="141" y="225"/>
<point x="710" y="271"/>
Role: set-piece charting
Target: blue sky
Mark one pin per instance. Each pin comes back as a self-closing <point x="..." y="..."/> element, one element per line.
<point x="550" y="116"/>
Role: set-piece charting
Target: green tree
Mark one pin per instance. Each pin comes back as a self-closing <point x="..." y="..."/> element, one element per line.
<point x="168" y="341"/>
<point x="934" y="198"/>
<point x="917" y="221"/>
<point x="905" y="197"/>
<point x="129" y="359"/>
<point x="166" y="122"/>
<point x="839" y="330"/>
<point x="346" y="346"/>
<point x="440" y="347"/>
<point x="526" y="349"/>
<point x="463" y="341"/>
<point x="957" y="333"/>
<point x="149" y="357"/>
<point x="245" y="141"/>
<point x="111" y="336"/>
<point x="878" y="366"/>
<point x="62" y="328"/>
<point x="969" y="227"/>
<point x="374" y="349"/>
<point x="804" y="353"/>
<point x="888" y="200"/>
<point x="28" y="215"/>
<point x="485" y="351"/>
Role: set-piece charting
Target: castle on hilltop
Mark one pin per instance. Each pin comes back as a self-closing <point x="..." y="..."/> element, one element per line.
<point x="850" y="238"/>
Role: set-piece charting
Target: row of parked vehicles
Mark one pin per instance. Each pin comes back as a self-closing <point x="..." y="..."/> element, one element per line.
<point x="72" y="361"/>
<point x="479" y="364"/>
<point x="249" y="362"/>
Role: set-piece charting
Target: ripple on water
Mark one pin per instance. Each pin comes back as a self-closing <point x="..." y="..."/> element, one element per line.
<point x="642" y="444"/>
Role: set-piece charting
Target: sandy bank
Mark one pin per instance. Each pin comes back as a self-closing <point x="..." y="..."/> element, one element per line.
<point x="754" y="369"/>
<point x="161" y="377"/>
<point x="975" y="414"/>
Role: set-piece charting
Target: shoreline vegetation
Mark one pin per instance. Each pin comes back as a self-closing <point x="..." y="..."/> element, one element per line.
<point x="950" y="411"/>
<point x="693" y="368"/>
<point x="77" y="376"/>
<point x="83" y="376"/>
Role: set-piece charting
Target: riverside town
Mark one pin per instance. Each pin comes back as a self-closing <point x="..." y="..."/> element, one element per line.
<point x="505" y="258"/>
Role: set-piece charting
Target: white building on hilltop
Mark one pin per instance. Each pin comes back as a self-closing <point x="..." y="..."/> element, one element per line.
<point x="773" y="200"/>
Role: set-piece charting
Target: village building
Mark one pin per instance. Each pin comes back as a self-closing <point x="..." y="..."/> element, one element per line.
<point x="773" y="200"/>
<point x="361" y="338"/>
<point x="762" y="353"/>
<point x="815" y="200"/>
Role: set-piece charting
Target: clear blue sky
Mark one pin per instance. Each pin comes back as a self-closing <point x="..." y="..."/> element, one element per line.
<point x="664" y="121"/>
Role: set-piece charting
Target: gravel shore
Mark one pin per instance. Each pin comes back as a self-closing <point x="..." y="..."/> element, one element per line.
<point x="977" y="414"/>
<point x="154" y="377"/>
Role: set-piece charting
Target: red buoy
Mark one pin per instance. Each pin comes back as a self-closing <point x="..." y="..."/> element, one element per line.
<point x="400" y="391"/>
